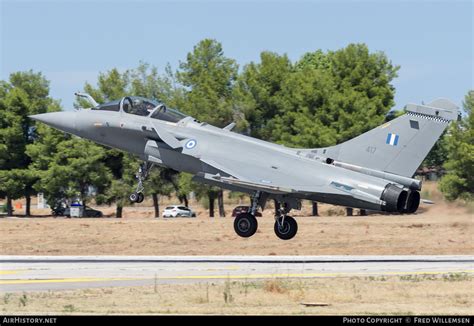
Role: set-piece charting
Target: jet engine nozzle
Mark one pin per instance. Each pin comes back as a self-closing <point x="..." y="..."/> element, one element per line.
<point x="413" y="201"/>
<point x="395" y="199"/>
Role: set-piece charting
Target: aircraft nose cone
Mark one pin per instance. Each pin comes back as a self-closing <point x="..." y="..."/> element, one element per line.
<point x="64" y="121"/>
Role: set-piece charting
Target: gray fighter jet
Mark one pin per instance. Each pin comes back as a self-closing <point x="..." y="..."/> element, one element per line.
<point x="373" y="171"/>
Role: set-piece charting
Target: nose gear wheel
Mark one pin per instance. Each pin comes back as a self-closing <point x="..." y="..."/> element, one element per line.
<point x="137" y="196"/>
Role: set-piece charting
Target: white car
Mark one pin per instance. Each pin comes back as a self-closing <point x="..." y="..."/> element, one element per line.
<point x="178" y="211"/>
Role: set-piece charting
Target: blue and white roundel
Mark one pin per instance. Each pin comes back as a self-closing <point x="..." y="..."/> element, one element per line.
<point x="191" y="144"/>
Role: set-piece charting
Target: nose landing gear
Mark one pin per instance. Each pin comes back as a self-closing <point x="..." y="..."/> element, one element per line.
<point x="137" y="197"/>
<point x="142" y="174"/>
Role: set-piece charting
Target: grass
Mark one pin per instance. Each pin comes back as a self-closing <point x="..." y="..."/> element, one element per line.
<point x="436" y="294"/>
<point x="228" y="298"/>
<point x="456" y="277"/>
<point x="69" y="308"/>
<point x="6" y="298"/>
<point x="23" y="300"/>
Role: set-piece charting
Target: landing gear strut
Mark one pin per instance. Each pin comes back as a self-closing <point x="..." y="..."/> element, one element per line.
<point x="285" y="225"/>
<point x="142" y="174"/>
<point x="245" y="224"/>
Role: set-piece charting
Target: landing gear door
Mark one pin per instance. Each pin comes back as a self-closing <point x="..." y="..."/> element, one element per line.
<point x="152" y="152"/>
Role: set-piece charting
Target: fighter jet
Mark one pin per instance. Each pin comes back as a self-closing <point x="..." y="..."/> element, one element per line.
<point x="373" y="171"/>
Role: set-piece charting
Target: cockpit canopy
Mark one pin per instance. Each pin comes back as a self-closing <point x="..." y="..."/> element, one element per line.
<point x="143" y="107"/>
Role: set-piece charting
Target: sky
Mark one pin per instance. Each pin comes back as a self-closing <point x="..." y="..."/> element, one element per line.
<point x="72" y="41"/>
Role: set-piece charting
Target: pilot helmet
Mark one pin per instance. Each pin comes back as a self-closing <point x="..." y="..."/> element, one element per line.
<point x="137" y="101"/>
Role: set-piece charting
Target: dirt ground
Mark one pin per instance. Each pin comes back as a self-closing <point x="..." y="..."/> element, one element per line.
<point x="438" y="229"/>
<point x="406" y="295"/>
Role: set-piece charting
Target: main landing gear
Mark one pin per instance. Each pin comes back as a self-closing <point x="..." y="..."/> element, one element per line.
<point x="142" y="174"/>
<point x="245" y="224"/>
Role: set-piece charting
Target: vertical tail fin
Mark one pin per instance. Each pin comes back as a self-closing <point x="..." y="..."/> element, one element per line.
<point x="398" y="146"/>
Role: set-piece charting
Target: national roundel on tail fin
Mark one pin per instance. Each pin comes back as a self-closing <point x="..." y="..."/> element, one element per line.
<point x="400" y="145"/>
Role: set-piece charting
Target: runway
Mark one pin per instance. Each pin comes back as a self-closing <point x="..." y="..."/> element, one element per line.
<point x="44" y="273"/>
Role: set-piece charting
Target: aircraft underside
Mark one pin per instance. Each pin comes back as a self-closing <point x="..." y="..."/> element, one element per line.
<point x="397" y="200"/>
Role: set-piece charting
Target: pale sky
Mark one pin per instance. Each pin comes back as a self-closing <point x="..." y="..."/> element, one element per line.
<point x="72" y="41"/>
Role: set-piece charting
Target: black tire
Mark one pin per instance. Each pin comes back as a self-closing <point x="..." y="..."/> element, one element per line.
<point x="141" y="197"/>
<point x="288" y="230"/>
<point x="133" y="197"/>
<point x="245" y="225"/>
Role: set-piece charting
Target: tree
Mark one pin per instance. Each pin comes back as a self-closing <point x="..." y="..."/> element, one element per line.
<point x="306" y="117"/>
<point x="161" y="182"/>
<point x="185" y="186"/>
<point x="364" y="93"/>
<point x="459" y="179"/>
<point x="122" y="166"/>
<point x="321" y="100"/>
<point x="257" y="92"/>
<point x="146" y="81"/>
<point x="24" y="94"/>
<point x="76" y="170"/>
<point x="201" y="191"/>
<point x="41" y="153"/>
<point x="111" y="85"/>
<point x="209" y="77"/>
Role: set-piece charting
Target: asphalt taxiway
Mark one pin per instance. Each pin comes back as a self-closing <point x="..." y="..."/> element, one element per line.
<point x="44" y="273"/>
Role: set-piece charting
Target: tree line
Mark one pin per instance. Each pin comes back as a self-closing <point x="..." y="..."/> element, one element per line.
<point x="324" y="98"/>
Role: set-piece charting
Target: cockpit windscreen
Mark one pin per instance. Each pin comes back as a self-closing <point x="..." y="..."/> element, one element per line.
<point x="110" y="106"/>
<point x="143" y="107"/>
<point x="167" y="114"/>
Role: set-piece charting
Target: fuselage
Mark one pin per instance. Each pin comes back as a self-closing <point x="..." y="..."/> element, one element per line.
<point x="216" y="150"/>
<point x="371" y="171"/>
